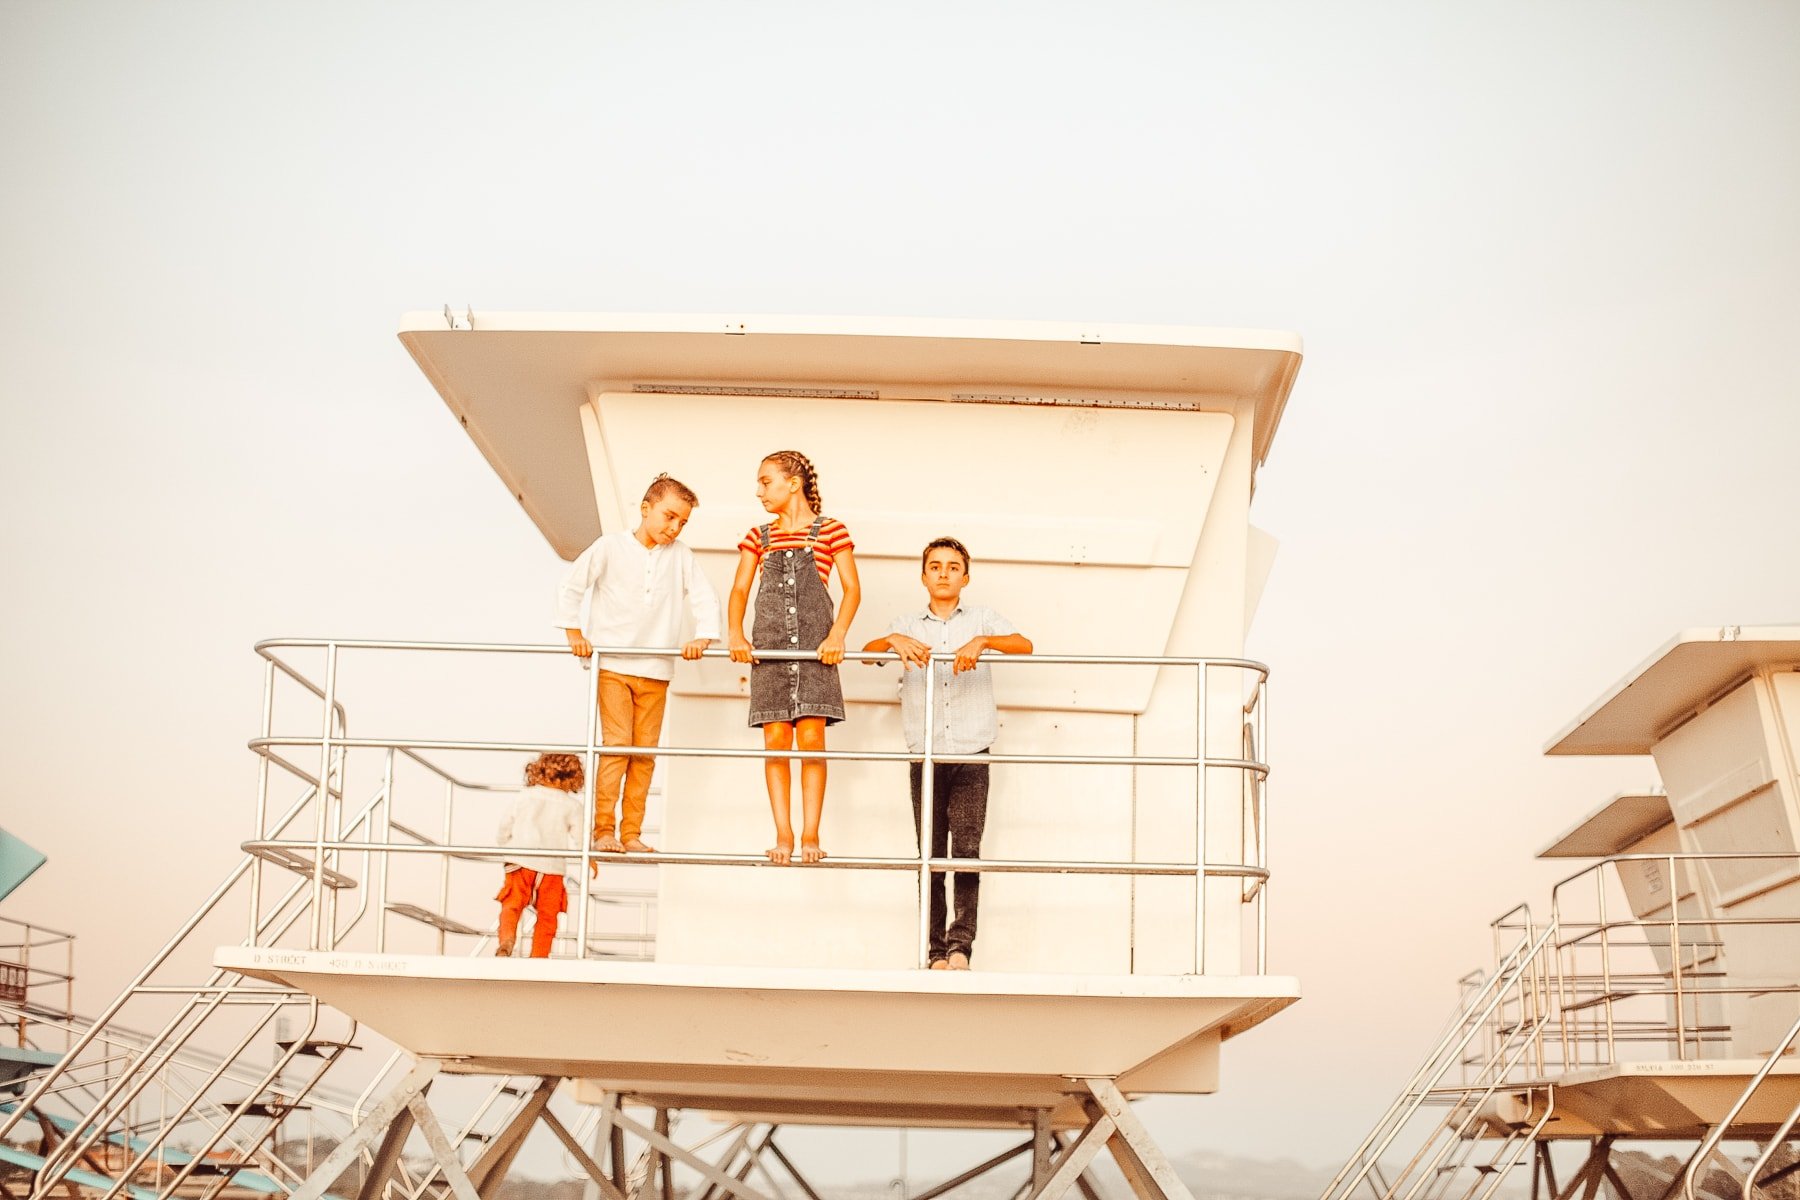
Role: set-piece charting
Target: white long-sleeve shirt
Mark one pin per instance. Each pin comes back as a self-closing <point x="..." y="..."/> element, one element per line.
<point x="542" y="818"/>
<point x="637" y="596"/>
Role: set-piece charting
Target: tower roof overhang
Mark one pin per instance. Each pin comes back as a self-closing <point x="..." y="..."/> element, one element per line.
<point x="517" y="381"/>
<point x="1685" y="676"/>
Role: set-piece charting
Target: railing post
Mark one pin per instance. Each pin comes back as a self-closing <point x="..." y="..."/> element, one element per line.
<point x="262" y="796"/>
<point x="444" y="859"/>
<point x="927" y="795"/>
<point x="1675" y="962"/>
<point x="1612" y="1049"/>
<point x="387" y="836"/>
<point x="1262" y="824"/>
<point x="323" y="797"/>
<point x="584" y="884"/>
<point x="1200" y="682"/>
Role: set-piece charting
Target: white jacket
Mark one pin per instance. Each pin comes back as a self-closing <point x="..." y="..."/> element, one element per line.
<point x="542" y="817"/>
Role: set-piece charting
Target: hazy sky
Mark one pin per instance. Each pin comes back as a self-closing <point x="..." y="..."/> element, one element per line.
<point x="1545" y="257"/>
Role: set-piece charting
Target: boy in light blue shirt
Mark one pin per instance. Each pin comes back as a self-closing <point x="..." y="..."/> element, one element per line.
<point x="964" y="721"/>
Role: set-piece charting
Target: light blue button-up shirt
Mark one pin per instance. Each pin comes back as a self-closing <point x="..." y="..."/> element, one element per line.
<point x="963" y="713"/>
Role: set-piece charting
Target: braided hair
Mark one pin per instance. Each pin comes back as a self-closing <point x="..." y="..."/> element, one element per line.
<point x="793" y="463"/>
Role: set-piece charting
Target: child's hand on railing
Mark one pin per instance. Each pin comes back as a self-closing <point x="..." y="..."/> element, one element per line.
<point x="912" y="652"/>
<point x="741" y="649"/>
<point x="831" y="650"/>
<point x="969" y="654"/>
<point x="578" y="643"/>
<point x="694" y="649"/>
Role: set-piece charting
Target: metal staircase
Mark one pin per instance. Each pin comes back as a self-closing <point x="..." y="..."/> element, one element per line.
<point x="153" y="1114"/>
<point x="1494" y="1037"/>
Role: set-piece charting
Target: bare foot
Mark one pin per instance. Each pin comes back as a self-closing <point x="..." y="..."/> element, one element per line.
<point x="639" y="846"/>
<point x="610" y="844"/>
<point x="781" y="853"/>
<point x="938" y="964"/>
<point x="810" y="852"/>
<point x="958" y="961"/>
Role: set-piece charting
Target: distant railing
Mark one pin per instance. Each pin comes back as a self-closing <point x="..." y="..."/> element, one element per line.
<point x="37" y="976"/>
<point x="1636" y="988"/>
<point x="325" y="857"/>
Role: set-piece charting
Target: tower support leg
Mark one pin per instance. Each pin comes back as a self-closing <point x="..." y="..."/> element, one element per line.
<point x="1593" y="1170"/>
<point x="787" y="1164"/>
<point x="734" y="1184"/>
<point x="1076" y="1160"/>
<point x="1041" y="1148"/>
<point x="489" y="1170"/>
<point x="373" y="1126"/>
<point x="442" y="1152"/>
<point x="1140" y="1159"/>
<point x="387" y="1156"/>
<point x="597" y="1179"/>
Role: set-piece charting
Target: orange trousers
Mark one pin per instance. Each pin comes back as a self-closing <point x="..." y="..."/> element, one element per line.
<point x="631" y="714"/>
<point x="546" y="893"/>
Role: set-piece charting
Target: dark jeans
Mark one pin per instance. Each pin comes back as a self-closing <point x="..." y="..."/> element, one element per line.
<point x="959" y="795"/>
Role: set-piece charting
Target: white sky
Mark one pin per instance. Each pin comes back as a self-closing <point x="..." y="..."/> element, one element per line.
<point x="1545" y="258"/>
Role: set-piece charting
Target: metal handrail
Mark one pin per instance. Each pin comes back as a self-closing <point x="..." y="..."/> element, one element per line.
<point x="1717" y="1133"/>
<point x="1591" y="985"/>
<point x="335" y="740"/>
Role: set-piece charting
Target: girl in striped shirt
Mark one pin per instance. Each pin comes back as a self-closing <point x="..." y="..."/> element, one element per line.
<point x="794" y="699"/>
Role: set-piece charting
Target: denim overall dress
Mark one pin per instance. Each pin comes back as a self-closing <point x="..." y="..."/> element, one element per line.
<point x="793" y="612"/>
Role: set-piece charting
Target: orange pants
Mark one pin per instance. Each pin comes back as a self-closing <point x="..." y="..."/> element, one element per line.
<point x="546" y="893"/>
<point x="631" y="714"/>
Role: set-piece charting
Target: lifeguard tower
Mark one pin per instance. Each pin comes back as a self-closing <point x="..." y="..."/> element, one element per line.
<point x="1101" y="477"/>
<point x="1657" y="1002"/>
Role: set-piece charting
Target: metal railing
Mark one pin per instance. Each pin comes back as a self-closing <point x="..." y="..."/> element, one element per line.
<point x="324" y="855"/>
<point x="37" y="977"/>
<point x="1644" y="988"/>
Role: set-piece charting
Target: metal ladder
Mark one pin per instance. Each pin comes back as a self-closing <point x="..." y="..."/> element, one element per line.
<point x="1447" y="1156"/>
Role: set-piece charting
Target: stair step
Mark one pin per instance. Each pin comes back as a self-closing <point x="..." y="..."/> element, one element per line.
<point x="298" y="863"/>
<point x="317" y="1047"/>
<point x="221" y="1166"/>
<point x="274" y="1107"/>
<point x="436" y="920"/>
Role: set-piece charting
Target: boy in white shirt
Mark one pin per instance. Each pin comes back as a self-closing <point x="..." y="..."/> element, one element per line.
<point x="639" y="586"/>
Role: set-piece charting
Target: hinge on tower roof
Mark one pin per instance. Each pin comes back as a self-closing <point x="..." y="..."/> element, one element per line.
<point x="466" y="321"/>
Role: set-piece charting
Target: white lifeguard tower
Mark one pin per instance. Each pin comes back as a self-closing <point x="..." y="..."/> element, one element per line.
<point x="1101" y="477"/>
<point x="1657" y="1002"/>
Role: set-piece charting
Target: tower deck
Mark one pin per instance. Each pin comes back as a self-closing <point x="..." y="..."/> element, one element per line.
<point x="903" y="1047"/>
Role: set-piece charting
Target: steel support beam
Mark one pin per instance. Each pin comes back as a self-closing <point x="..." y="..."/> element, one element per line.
<point x="1076" y="1160"/>
<point x="731" y="1183"/>
<point x="787" y="1164"/>
<point x="387" y="1156"/>
<point x="1040" y="1150"/>
<point x="979" y="1169"/>
<point x="1084" y="1181"/>
<point x="489" y="1169"/>
<point x="1593" y="1170"/>
<point x="441" y="1149"/>
<point x="1139" y="1157"/>
<point x="596" y="1176"/>
<point x="368" y="1130"/>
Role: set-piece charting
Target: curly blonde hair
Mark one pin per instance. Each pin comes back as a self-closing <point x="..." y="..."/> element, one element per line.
<point x="560" y="771"/>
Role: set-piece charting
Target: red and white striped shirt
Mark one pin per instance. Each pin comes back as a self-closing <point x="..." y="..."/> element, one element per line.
<point x="833" y="540"/>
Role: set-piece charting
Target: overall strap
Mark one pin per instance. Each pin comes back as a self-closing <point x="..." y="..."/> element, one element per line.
<point x="812" y="535"/>
<point x="763" y="533"/>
